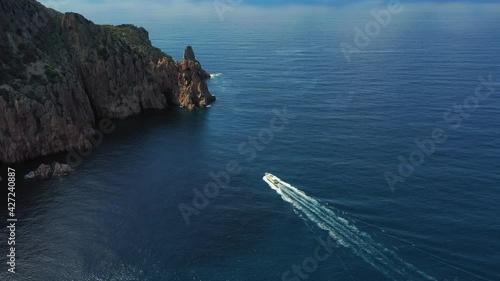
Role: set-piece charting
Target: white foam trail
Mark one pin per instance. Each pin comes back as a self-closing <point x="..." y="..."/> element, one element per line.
<point x="213" y="75"/>
<point x="347" y="235"/>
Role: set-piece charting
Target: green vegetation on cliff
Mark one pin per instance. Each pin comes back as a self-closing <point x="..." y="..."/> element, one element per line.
<point x="135" y="37"/>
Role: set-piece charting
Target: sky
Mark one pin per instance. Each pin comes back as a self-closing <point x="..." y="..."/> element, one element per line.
<point x="109" y="11"/>
<point x="278" y="2"/>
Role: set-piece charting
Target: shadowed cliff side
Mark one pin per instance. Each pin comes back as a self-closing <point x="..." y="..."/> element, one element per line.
<point x="59" y="73"/>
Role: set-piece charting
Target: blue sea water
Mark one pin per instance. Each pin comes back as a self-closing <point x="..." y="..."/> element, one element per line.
<point x="117" y="216"/>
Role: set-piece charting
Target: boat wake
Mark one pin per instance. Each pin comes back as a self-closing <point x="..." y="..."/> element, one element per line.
<point x="381" y="258"/>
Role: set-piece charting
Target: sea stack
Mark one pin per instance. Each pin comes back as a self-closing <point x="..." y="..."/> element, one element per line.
<point x="192" y="85"/>
<point x="189" y="54"/>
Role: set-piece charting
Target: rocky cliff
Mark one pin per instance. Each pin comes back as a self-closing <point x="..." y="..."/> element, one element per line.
<point x="59" y="73"/>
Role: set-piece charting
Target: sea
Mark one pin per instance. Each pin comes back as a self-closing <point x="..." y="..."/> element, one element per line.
<point x="385" y="134"/>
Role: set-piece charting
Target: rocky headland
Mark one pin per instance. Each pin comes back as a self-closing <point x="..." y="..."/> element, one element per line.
<point x="60" y="74"/>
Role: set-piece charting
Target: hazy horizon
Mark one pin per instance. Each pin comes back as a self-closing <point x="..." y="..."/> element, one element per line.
<point x="112" y="11"/>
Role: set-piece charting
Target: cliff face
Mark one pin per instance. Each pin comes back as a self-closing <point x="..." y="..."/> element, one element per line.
<point x="59" y="73"/>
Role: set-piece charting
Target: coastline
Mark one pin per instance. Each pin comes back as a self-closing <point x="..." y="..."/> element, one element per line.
<point x="63" y="74"/>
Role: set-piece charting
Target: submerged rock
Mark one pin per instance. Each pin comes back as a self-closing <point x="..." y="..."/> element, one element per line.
<point x="61" y="170"/>
<point x="43" y="172"/>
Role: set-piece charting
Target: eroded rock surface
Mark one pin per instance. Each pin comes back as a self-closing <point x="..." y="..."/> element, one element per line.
<point x="61" y="170"/>
<point x="43" y="172"/>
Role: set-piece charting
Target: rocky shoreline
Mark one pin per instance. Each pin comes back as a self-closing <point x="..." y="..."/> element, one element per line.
<point x="61" y="73"/>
